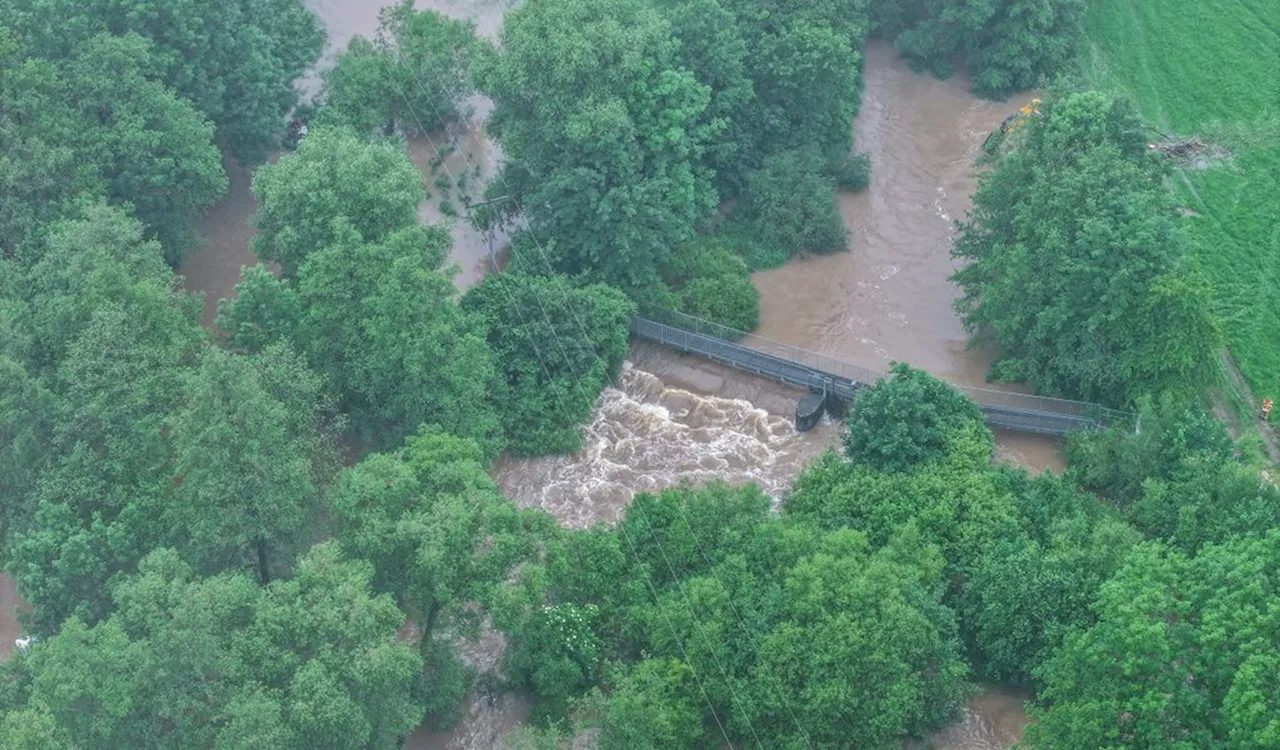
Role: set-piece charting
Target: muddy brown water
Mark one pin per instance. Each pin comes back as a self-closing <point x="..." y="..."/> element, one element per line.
<point x="670" y="418"/>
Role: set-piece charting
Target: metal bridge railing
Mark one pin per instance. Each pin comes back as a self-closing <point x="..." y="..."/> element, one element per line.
<point x="983" y="396"/>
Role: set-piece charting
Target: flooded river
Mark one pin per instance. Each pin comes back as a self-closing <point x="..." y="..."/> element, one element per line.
<point x="670" y="418"/>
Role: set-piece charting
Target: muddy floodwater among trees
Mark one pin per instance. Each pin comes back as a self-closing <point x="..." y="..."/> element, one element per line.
<point x="669" y="419"/>
<point x="331" y="412"/>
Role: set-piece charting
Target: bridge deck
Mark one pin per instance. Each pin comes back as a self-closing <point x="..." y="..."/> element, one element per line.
<point x="797" y="367"/>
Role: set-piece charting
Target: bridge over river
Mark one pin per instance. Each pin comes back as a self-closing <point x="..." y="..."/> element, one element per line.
<point x="832" y="383"/>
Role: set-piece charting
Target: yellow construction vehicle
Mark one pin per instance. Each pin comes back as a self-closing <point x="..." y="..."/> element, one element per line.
<point x="1017" y="119"/>
<point x="1010" y="124"/>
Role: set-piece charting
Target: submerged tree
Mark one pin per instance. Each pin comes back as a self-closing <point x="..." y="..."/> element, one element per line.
<point x="414" y="75"/>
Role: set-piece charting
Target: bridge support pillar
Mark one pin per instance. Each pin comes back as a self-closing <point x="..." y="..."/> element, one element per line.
<point x="809" y="411"/>
<point x="836" y="406"/>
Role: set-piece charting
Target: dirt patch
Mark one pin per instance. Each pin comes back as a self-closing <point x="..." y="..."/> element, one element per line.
<point x="1191" y="153"/>
<point x="1238" y="383"/>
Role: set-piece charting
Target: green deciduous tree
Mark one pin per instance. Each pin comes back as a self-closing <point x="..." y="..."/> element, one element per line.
<point x="1025" y="594"/>
<point x="653" y="706"/>
<point x="39" y="172"/>
<point x="713" y="49"/>
<point x="1166" y="437"/>
<point x="556" y="346"/>
<point x="907" y="420"/>
<point x="383" y="323"/>
<point x="266" y="310"/>
<point x="26" y="426"/>
<point x="109" y="337"/>
<point x="1076" y="268"/>
<point x="853" y="619"/>
<point x="805" y="65"/>
<point x="1177" y="477"/>
<point x="99" y="122"/>
<point x="333" y="184"/>
<point x="413" y="75"/>
<point x="1008" y="45"/>
<point x="712" y="282"/>
<point x="602" y="128"/>
<point x="219" y="662"/>
<point x="243" y="473"/>
<point x="93" y="257"/>
<point x="790" y="634"/>
<point x="439" y="536"/>
<point x="235" y="61"/>
<point x="97" y="506"/>
<point x="955" y="501"/>
<point x="789" y="205"/>
<point x="1179" y="658"/>
<point x="154" y="150"/>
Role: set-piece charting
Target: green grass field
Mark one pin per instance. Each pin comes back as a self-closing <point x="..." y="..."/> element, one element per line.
<point x="1212" y="68"/>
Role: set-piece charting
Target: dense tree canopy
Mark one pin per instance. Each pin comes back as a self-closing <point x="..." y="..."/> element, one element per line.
<point x="413" y="75"/>
<point x="1007" y="45"/>
<point x="335" y="185"/>
<point x="204" y="571"/>
<point x="805" y="66"/>
<point x="309" y="662"/>
<point x="1177" y="478"/>
<point x="1032" y="587"/>
<point x="1076" y="267"/>
<point x="712" y="47"/>
<point x="383" y="322"/>
<point x="234" y="61"/>
<point x="243" y="471"/>
<point x="1182" y="655"/>
<point x="778" y="629"/>
<point x="713" y="282"/>
<point x="98" y="123"/>
<point x="109" y="338"/>
<point x="440" y="537"/>
<point x="556" y="347"/>
<point x="789" y="205"/>
<point x="602" y="126"/>
<point x="907" y="419"/>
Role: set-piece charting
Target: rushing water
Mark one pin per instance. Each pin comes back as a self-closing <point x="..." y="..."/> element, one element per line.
<point x="671" y="418"/>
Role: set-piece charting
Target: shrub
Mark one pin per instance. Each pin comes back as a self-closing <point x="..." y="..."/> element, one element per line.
<point x="714" y="283"/>
<point x="790" y="203"/>
<point x="852" y="171"/>
<point x="906" y="420"/>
